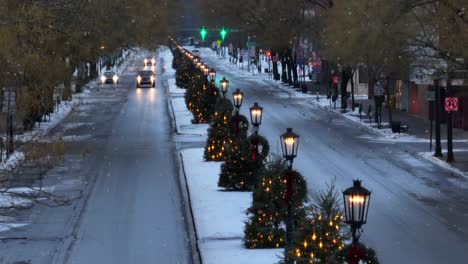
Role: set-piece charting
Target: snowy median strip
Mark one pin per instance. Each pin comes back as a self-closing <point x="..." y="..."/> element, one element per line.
<point x="173" y="89"/>
<point x="219" y="215"/>
<point x="183" y="119"/>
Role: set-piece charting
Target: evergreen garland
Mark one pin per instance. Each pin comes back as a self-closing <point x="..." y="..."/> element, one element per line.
<point x="365" y="254"/>
<point x="266" y="225"/>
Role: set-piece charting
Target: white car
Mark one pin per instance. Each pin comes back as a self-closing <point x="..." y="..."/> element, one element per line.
<point x="109" y="77"/>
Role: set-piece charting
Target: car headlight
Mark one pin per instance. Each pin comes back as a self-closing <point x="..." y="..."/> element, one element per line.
<point x="153" y="61"/>
<point x="139" y="79"/>
<point x="103" y="78"/>
<point x="152" y="78"/>
<point x="145" y="61"/>
<point x="115" y="78"/>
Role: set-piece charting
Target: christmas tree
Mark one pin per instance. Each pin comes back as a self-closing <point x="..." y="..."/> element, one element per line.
<point x="320" y="235"/>
<point x="244" y="161"/>
<point x="265" y="227"/>
<point x="219" y="133"/>
<point x="184" y="71"/>
<point x="195" y="96"/>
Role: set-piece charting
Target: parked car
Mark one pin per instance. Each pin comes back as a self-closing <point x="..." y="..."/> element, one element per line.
<point x="145" y="78"/>
<point x="109" y="77"/>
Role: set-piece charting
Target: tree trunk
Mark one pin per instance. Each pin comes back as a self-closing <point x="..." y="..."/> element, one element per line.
<point x="289" y="63"/>
<point x="284" y="78"/>
<point x="387" y="91"/>
<point x="345" y="76"/>
<point x="352" y="88"/>
<point x="294" y="71"/>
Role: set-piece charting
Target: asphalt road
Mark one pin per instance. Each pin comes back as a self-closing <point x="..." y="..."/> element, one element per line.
<point x="121" y="154"/>
<point x="418" y="212"/>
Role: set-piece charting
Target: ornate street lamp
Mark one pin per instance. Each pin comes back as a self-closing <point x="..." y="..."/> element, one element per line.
<point x="356" y="206"/>
<point x="224" y="86"/>
<point x="289" y="144"/>
<point x="196" y="59"/>
<point x="237" y="98"/>
<point x="256" y="113"/>
<point x="212" y="75"/>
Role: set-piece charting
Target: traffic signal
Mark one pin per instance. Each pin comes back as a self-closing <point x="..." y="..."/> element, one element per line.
<point x="223" y="33"/>
<point x="203" y="33"/>
<point x="268" y="53"/>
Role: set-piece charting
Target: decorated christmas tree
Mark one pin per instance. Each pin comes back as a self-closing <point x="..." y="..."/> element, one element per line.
<point x="219" y="133"/>
<point x="195" y="96"/>
<point x="266" y="225"/>
<point x="184" y="71"/>
<point x="244" y="161"/>
<point x="319" y="236"/>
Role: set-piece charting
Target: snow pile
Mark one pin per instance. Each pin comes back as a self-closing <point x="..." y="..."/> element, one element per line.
<point x="219" y="216"/>
<point x="183" y="119"/>
<point x="429" y="156"/>
<point x="173" y="89"/>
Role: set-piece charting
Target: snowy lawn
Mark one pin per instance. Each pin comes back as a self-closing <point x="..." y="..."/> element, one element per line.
<point x="219" y="216"/>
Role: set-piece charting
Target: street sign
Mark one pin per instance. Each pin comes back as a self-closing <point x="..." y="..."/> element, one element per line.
<point x="251" y="43"/>
<point x="336" y="79"/>
<point x="451" y="104"/>
<point x="430" y="96"/>
<point x="379" y="90"/>
<point x="219" y="42"/>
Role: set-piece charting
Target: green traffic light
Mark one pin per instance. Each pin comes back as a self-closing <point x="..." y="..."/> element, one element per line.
<point x="203" y="33"/>
<point x="223" y="33"/>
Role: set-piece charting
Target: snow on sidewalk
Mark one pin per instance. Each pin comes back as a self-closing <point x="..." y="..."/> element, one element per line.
<point x="219" y="216"/>
<point x="183" y="119"/>
<point x="173" y="89"/>
<point x="165" y="55"/>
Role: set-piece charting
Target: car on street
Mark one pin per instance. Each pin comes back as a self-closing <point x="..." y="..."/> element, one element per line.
<point x="145" y="78"/>
<point x="149" y="62"/>
<point x="109" y="77"/>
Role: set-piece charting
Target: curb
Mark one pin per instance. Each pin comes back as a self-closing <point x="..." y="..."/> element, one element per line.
<point x="428" y="156"/>
<point x="188" y="211"/>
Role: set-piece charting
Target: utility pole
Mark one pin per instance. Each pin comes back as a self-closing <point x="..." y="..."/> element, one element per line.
<point x="449" y="123"/>
<point x="438" y="146"/>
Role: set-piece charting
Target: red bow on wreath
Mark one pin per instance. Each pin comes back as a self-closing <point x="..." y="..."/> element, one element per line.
<point x="355" y="255"/>
<point x="289" y="185"/>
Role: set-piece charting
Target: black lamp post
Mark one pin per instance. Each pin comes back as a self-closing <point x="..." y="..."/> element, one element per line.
<point x="224" y="86"/>
<point x="212" y="76"/>
<point x="237" y="98"/>
<point x="356" y="206"/>
<point x="289" y="147"/>
<point x="256" y="113"/>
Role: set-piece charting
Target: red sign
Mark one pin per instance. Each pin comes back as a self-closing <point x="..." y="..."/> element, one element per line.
<point x="451" y="104"/>
<point x="336" y="79"/>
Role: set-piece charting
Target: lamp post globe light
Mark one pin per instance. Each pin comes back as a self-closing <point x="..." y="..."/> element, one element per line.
<point x="356" y="206"/>
<point x="212" y="75"/>
<point x="237" y="98"/>
<point x="199" y="64"/>
<point x="224" y="86"/>
<point x="289" y="145"/>
<point x="195" y="59"/>
<point x="205" y="70"/>
<point x="256" y="113"/>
